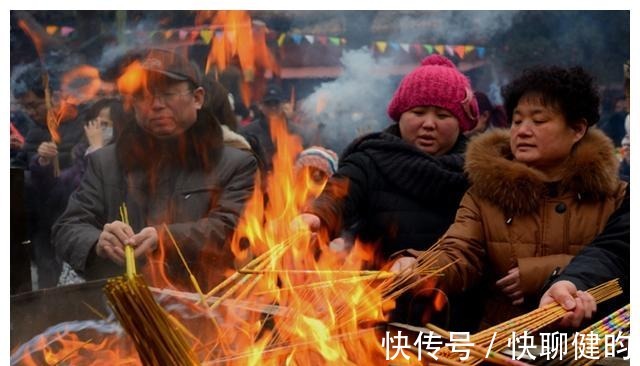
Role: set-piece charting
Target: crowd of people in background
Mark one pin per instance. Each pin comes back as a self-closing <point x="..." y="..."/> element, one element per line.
<point x="453" y="168"/>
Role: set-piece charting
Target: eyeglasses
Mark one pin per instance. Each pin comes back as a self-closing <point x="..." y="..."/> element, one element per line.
<point x="163" y="97"/>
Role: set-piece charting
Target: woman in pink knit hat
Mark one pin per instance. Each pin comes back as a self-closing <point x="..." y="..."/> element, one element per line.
<point x="404" y="183"/>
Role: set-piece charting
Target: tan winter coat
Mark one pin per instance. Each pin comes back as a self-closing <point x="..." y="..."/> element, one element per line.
<point x="510" y="217"/>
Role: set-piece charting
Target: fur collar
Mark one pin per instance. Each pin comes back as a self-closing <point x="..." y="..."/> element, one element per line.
<point x="591" y="171"/>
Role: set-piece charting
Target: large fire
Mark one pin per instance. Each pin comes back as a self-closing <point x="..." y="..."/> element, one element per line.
<point x="291" y="301"/>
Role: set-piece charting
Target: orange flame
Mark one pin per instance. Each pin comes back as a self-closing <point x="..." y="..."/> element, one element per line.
<point x="235" y="38"/>
<point x="81" y="84"/>
<point x="240" y="42"/>
<point x="316" y="301"/>
<point x="37" y="40"/>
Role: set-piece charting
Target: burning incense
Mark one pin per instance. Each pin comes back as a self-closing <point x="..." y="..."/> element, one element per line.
<point x="52" y="120"/>
<point x="157" y="338"/>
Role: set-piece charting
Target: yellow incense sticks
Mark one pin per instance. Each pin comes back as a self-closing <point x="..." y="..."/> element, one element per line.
<point x="130" y="258"/>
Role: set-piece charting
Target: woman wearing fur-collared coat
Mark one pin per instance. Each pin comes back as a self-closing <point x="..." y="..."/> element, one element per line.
<point x="540" y="192"/>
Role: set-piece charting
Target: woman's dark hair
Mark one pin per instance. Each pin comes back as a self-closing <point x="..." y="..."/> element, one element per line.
<point x="115" y="110"/>
<point x="497" y="115"/>
<point x="217" y="101"/>
<point x="572" y="90"/>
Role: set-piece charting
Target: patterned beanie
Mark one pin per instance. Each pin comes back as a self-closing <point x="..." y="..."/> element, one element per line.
<point x="436" y="82"/>
<point x="320" y="158"/>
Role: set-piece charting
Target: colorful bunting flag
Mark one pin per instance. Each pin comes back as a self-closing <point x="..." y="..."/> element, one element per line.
<point x="449" y="50"/>
<point x="468" y="49"/>
<point x="417" y="48"/>
<point x="206" y="35"/>
<point x="65" y="31"/>
<point x="194" y="35"/>
<point x="297" y="38"/>
<point x="281" y="39"/>
<point x="52" y="29"/>
<point x="381" y="46"/>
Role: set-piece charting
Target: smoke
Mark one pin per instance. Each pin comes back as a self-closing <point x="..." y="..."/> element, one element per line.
<point x="353" y="104"/>
<point x="452" y="27"/>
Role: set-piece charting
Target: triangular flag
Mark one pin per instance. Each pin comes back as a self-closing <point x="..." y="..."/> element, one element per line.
<point x="52" y="29"/>
<point x="439" y="48"/>
<point x="394" y="46"/>
<point x="480" y="51"/>
<point x="309" y="38"/>
<point x="459" y="50"/>
<point x="343" y="41"/>
<point x="429" y="49"/>
<point x="449" y="50"/>
<point x="297" y="38"/>
<point x="194" y="34"/>
<point x="65" y="31"/>
<point x="405" y="47"/>
<point x="468" y="48"/>
<point x="382" y="46"/>
<point x="206" y="35"/>
<point x="322" y="39"/>
<point x="182" y="34"/>
<point x="416" y="48"/>
<point x="168" y="34"/>
<point x="281" y="39"/>
<point x="335" y="41"/>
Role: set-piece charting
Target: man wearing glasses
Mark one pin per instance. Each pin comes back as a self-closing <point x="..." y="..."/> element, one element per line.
<point x="170" y="166"/>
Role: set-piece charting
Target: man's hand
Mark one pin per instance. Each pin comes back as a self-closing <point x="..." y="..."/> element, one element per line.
<point x="112" y="240"/>
<point x="93" y="131"/>
<point x="306" y="220"/>
<point x="145" y="241"/>
<point x="510" y="286"/>
<point x="402" y="264"/>
<point x="581" y="305"/>
<point x="47" y="151"/>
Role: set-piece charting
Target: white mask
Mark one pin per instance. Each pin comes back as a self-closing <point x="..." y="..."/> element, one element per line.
<point x="107" y="134"/>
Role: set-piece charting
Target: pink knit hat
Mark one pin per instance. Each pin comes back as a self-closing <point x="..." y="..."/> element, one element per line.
<point x="436" y="82"/>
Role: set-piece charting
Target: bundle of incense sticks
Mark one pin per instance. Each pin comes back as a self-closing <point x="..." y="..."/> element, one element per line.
<point x="158" y="338"/>
<point x="496" y="338"/>
<point x="539" y="318"/>
<point x="618" y="322"/>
